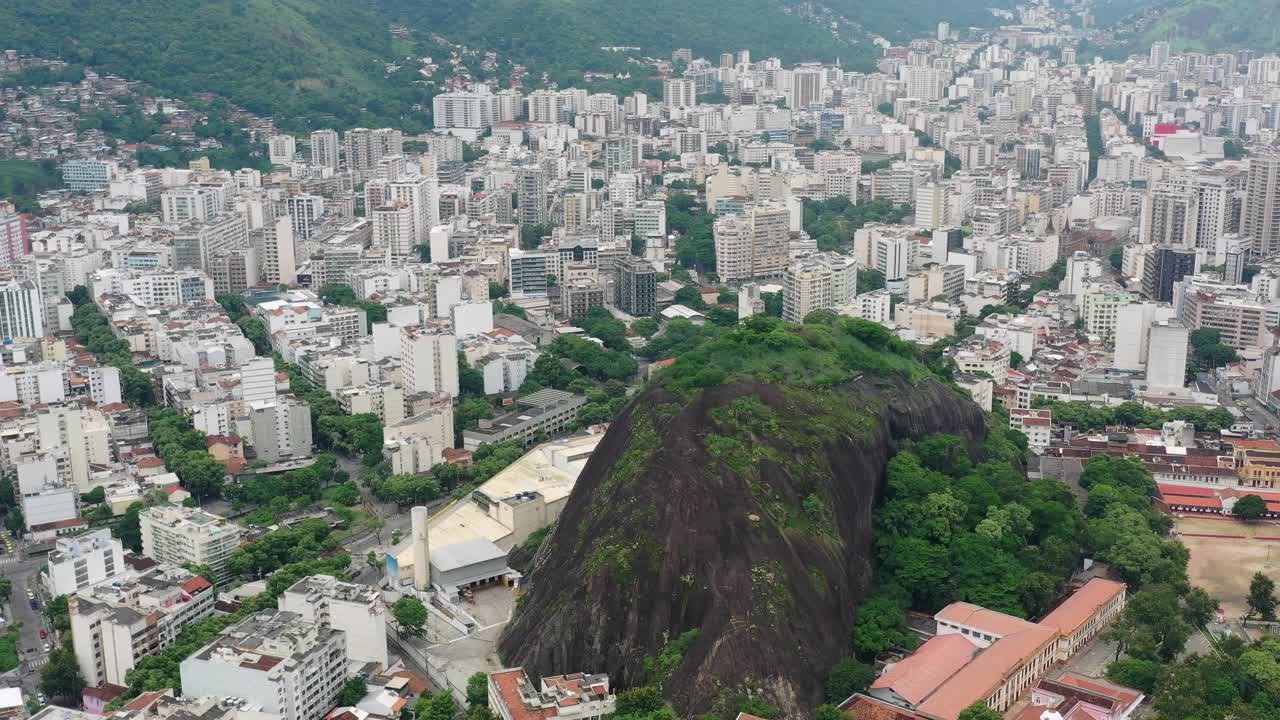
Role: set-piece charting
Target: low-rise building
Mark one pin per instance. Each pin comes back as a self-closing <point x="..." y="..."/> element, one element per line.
<point x="1035" y="424"/>
<point x="549" y="411"/>
<point x="578" y="696"/>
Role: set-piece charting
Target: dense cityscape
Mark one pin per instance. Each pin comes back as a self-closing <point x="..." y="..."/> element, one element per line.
<point x="941" y="385"/>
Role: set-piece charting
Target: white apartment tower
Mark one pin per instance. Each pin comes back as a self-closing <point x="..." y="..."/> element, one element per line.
<point x="429" y="361"/>
<point x="324" y="148"/>
<point x="679" y="93"/>
<point x="177" y="535"/>
<point x="290" y="668"/>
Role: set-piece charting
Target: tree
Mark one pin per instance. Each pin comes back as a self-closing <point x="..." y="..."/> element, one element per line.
<point x="645" y="327"/>
<point x="980" y="711"/>
<point x="478" y="689"/>
<point x="1134" y="673"/>
<point x="848" y="676"/>
<point x="352" y="692"/>
<point x="79" y="295"/>
<point x="94" y="496"/>
<point x="436" y="707"/>
<point x="129" y="530"/>
<point x="60" y="678"/>
<point x="6" y="589"/>
<point x="829" y="712"/>
<point x="1199" y="606"/>
<point x="1249" y="508"/>
<point x="372" y="560"/>
<point x="411" y="615"/>
<point x="1262" y="597"/>
<point x="880" y="624"/>
<point x="640" y="701"/>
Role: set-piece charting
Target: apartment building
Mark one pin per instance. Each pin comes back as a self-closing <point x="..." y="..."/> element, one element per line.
<point x="275" y="660"/>
<point x="753" y="244"/>
<point x="83" y="560"/>
<point x="1035" y="424"/>
<point x="354" y="609"/>
<point x="1239" y="318"/>
<point x="281" y="428"/>
<point x="116" y="623"/>
<point x="177" y="535"/>
<point x="429" y="361"/>
<point x="637" y="288"/>
<point x="979" y="355"/>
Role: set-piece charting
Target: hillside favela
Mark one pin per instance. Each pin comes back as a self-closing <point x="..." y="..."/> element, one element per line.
<point x="653" y="360"/>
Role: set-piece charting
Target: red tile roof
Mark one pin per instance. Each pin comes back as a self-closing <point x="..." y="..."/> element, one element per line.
<point x="195" y="585"/>
<point x="1167" y="490"/>
<point x="1083" y="604"/>
<point x="921" y="673"/>
<point x="1195" y="502"/>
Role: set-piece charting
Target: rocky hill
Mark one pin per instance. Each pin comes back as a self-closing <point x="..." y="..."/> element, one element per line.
<point x="734" y="498"/>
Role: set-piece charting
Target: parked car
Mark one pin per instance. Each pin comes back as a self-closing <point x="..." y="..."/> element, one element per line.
<point x="43" y="633"/>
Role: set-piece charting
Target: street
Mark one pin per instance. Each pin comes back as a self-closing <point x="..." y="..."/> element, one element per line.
<point x="31" y="654"/>
<point x="1255" y="410"/>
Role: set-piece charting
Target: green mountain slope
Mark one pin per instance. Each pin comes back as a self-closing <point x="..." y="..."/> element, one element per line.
<point x="322" y="62"/>
<point x="282" y="57"/>
<point x="1220" y="25"/>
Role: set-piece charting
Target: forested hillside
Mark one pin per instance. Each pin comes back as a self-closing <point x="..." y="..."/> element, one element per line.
<point x="287" y="58"/>
<point x="314" y="63"/>
<point x="1220" y="25"/>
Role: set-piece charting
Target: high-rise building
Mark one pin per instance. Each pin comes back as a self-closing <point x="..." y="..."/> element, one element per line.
<point x="1167" y="356"/>
<point x="276" y="252"/>
<point x="1260" y="213"/>
<point x="306" y="213"/>
<point x="176" y="535"/>
<point x="543" y="106"/>
<point x="637" y="287"/>
<point x="289" y="668"/>
<point x="531" y="189"/>
<point x="192" y="203"/>
<point x="21" y="310"/>
<point x="324" y="148"/>
<point x="355" y="609"/>
<point x="281" y="149"/>
<point x="14" y="242"/>
<point x="87" y="174"/>
<point x="753" y="244"/>
<point x="806" y="87"/>
<point x="421" y="195"/>
<point x="1170" y="217"/>
<point x="679" y="93"/>
<point x="1159" y="53"/>
<point x="83" y="560"/>
<point x="1165" y="267"/>
<point x="471" y="111"/>
<point x="281" y="428"/>
<point x="365" y="147"/>
<point x="527" y="272"/>
<point x="429" y="361"/>
<point x="806" y="287"/>
<point x="1028" y="160"/>
<point x="394" y="230"/>
<point x="944" y="31"/>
